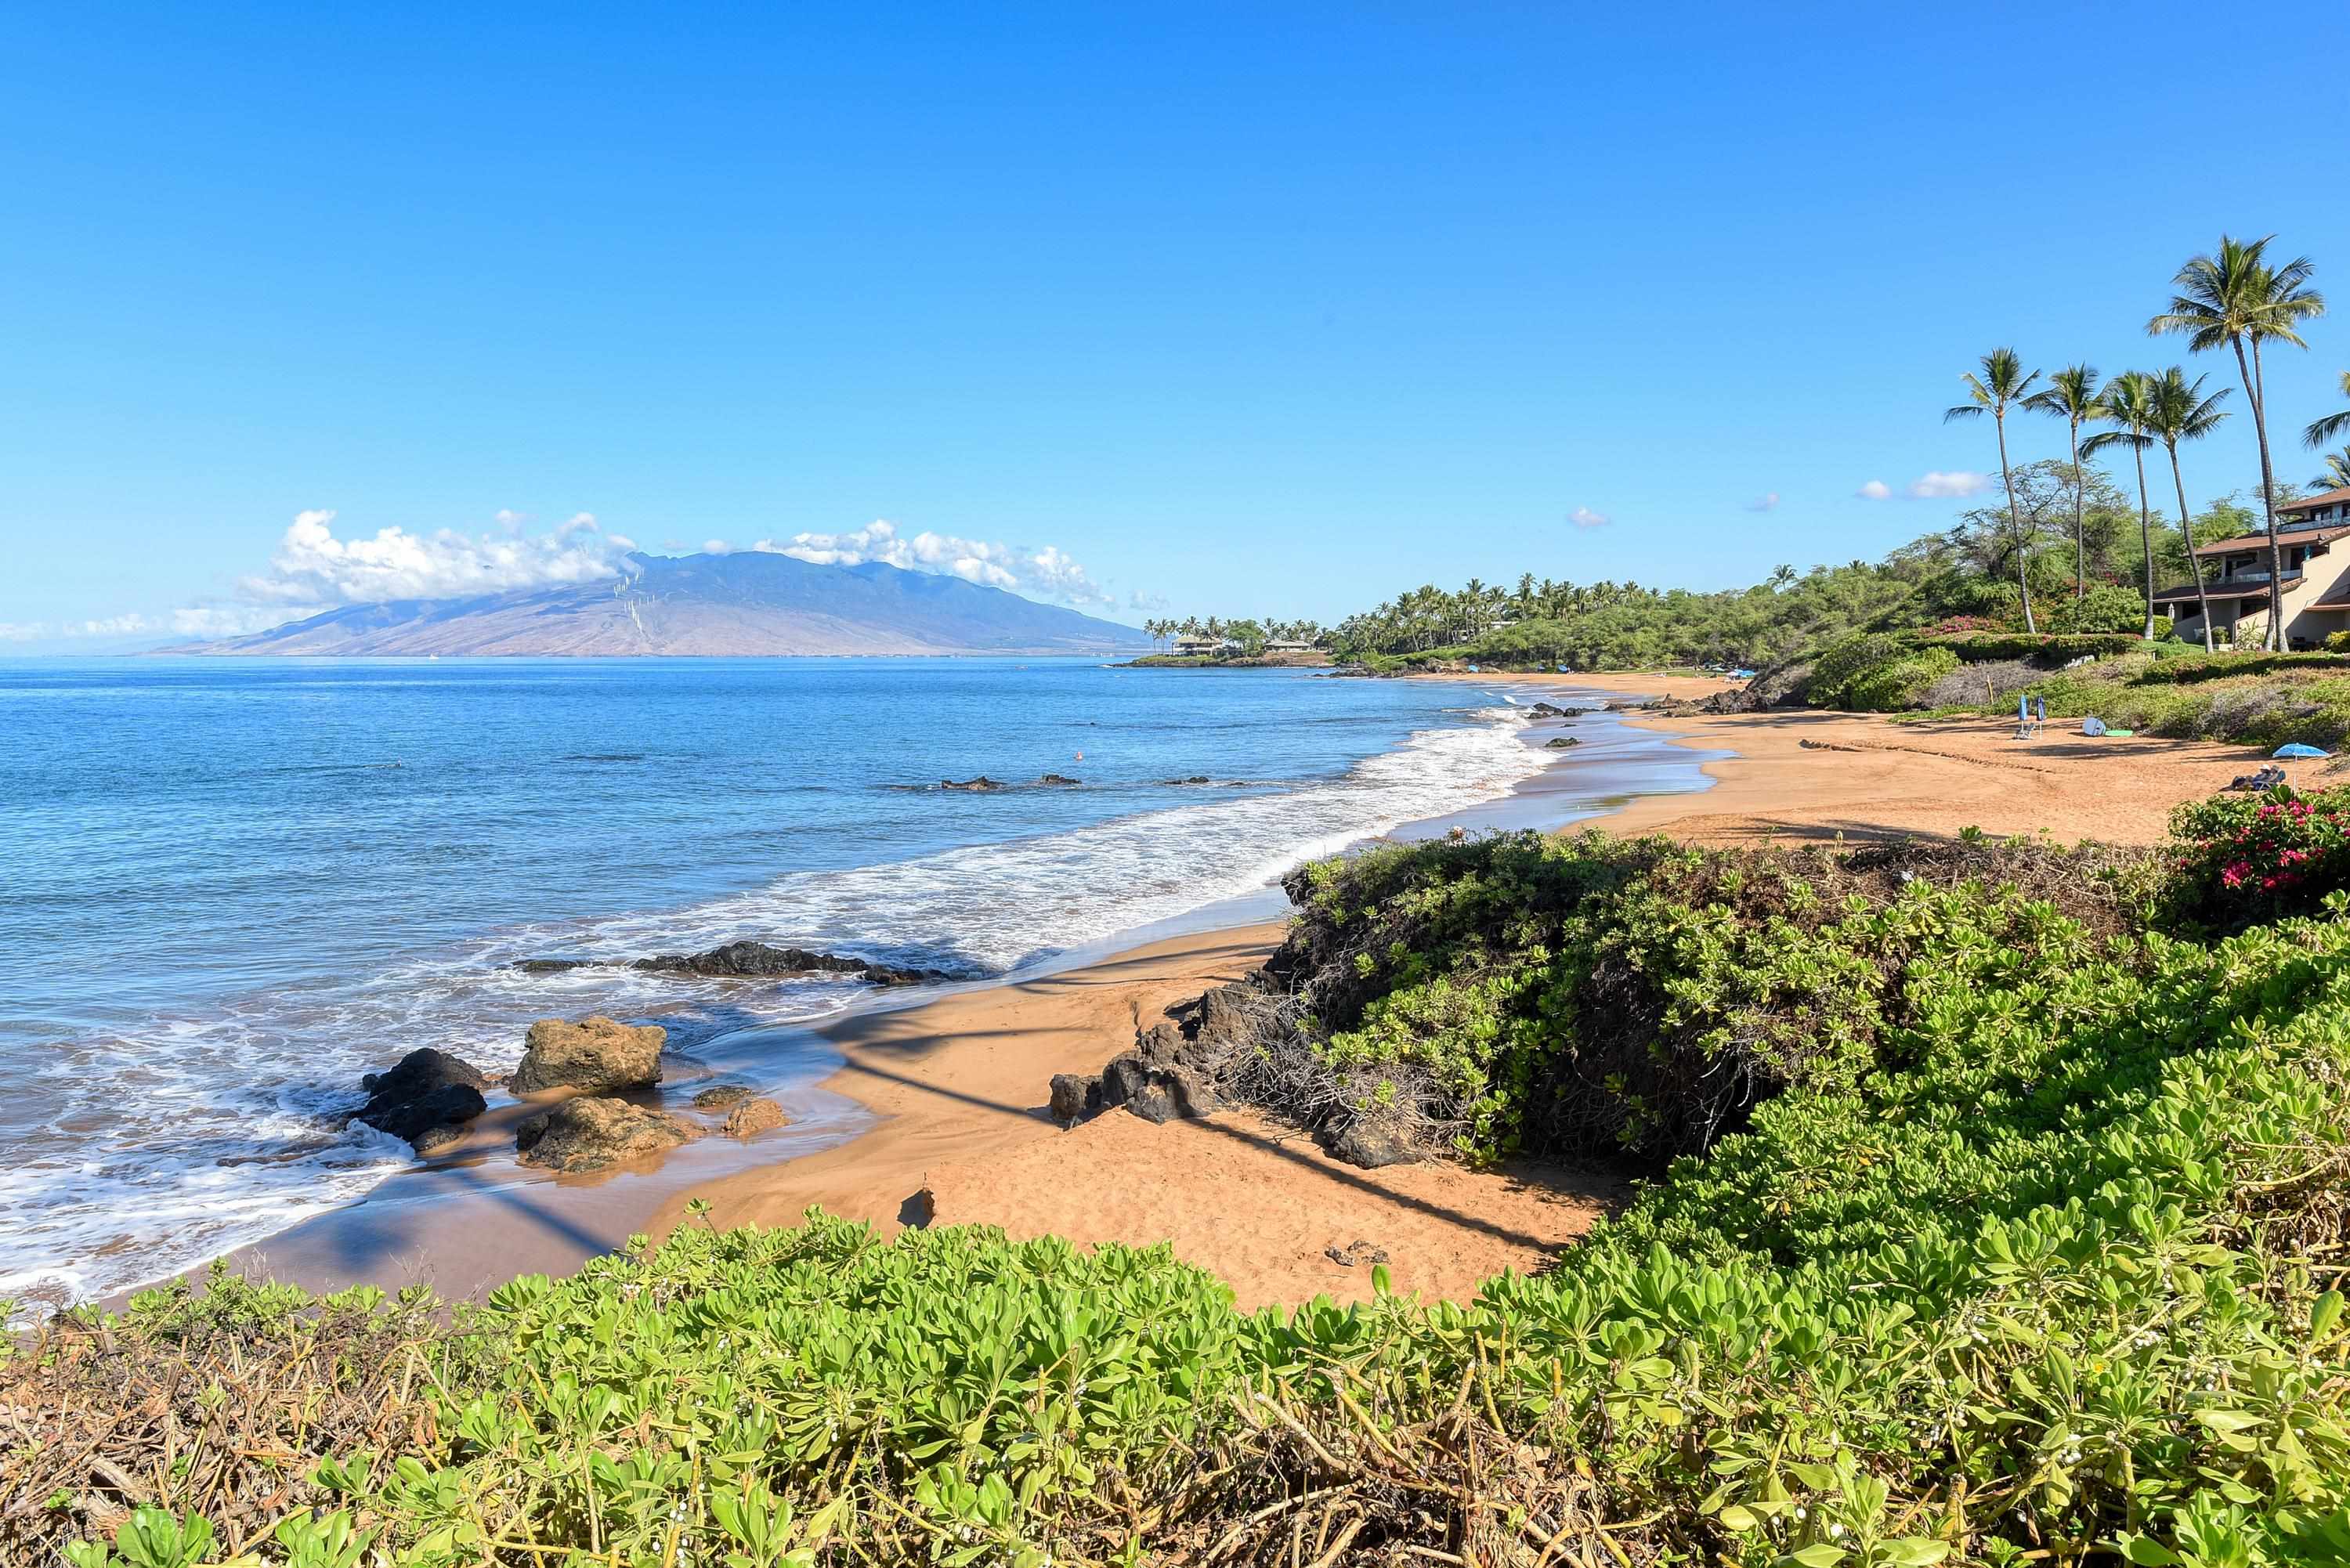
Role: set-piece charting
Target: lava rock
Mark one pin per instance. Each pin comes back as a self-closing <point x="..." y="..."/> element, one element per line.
<point x="1560" y="742"/>
<point x="760" y="961"/>
<point x="982" y="782"/>
<point x="1226" y="1012"/>
<point x="720" y="1096"/>
<point x="1156" y="1092"/>
<point x="426" y="1090"/>
<point x="592" y="1133"/>
<point x="1370" y="1143"/>
<point x="1058" y="779"/>
<point x="1075" y="1095"/>
<point x="549" y="966"/>
<point x="755" y="1116"/>
<point x="596" y="1054"/>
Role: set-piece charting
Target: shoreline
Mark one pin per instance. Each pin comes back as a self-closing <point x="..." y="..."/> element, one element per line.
<point x="963" y="1139"/>
<point x="423" y="1223"/>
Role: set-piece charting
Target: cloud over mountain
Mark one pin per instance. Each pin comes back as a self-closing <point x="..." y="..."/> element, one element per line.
<point x="1048" y="573"/>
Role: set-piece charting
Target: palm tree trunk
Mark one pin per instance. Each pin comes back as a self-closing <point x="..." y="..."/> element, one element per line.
<point x="2187" y="531"/>
<point x="2080" y="528"/>
<point x="2254" y="384"/>
<point x="2146" y="540"/>
<point x="2015" y="524"/>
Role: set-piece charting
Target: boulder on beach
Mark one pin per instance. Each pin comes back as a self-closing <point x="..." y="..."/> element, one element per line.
<point x="593" y="1132"/>
<point x="1369" y="1142"/>
<point x="755" y="1116"/>
<point x="1227" y="1012"/>
<point x="426" y="1098"/>
<point x="721" y="1096"/>
<point x="1560" y="742"/>
<point x="596" y="1054"/>
<point x="1156" y="1091"/>
<point x="1074" y="1096"/>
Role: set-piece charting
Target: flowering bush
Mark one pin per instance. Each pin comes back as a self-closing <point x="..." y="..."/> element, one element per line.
<point x="2255" y="857"/>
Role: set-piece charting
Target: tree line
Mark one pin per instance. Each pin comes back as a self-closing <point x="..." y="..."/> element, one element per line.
<point x="2233" y="299"/>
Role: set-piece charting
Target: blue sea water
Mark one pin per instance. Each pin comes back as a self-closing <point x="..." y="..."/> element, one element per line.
<point x="233" y="887"/>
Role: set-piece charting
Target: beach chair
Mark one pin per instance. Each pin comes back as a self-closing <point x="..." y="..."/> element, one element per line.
<point x="2027" y="726"/>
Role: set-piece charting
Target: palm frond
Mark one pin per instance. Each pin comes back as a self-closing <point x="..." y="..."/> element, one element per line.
<point x="2320" y="432"/>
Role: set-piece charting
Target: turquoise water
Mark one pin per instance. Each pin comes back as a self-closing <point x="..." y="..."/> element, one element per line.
<point x="233" y="887"/>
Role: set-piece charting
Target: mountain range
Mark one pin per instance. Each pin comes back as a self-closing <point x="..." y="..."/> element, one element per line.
<point x="744" y="604"/>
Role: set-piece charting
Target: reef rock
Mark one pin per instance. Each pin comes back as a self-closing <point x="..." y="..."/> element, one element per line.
<point x="596" y="1054"/>
<point x="426" y="1098"/>
<point x="592" y="1133"/>
<point x="755" y="1116"/>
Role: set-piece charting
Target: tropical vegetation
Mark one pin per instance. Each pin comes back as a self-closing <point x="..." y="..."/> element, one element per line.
<point x="1992" y="1208"/>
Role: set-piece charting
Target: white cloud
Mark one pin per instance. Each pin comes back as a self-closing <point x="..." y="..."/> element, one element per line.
<point x="1140" y="600"/>
<point x="1955" y="485"/>
<point x="22" y="630"/>
<point x="1874" y="490"/>
<point x="1585" y="517"/>
<point x="1768" y="503"/>
<point x="237" y="620"/>
<point x="1048" y="573"/>
<point x="313" y="566"/>
<point x="716" y="547"/>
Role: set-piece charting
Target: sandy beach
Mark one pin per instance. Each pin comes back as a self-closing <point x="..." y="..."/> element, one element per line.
<point x="950" y="1092"/>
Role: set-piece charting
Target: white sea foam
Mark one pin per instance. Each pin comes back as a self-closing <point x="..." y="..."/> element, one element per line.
<point x="182" y="1138"/>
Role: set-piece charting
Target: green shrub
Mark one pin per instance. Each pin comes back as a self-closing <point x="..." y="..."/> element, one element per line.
<point x="1892" y="687"/>
<point x="2245" y="859"/>
<point x="2338" y="642"/>
<point x="1837" y="666"/>
<point x="2041" y="1267"/>
<point x="2056" y="648"/>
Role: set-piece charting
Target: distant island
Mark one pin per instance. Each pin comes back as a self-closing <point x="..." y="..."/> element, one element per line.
<point x="748" y="604"/>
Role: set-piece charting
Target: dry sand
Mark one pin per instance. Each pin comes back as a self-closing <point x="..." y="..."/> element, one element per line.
<point x="962" y="1081"/>
<point x="1813" y="776"/>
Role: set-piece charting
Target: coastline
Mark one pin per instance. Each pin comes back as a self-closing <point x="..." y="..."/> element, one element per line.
<point x="934" y="1111"/>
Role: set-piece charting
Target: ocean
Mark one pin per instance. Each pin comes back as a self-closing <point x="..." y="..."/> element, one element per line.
<point x="233" y="887"/>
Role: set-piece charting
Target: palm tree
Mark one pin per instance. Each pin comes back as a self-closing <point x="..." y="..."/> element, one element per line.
<point x="2129" y="398"/>
<point x="2002" y="384"/>
<point x="2320" y="432"/>
<point x="2337" y="472"/>
<point x="2071" y="394"/>
<point x="2179" y="411"/>
<point x="2233" y="297"/>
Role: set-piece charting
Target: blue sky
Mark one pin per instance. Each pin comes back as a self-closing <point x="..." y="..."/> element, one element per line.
<point x="1252" y="309"/>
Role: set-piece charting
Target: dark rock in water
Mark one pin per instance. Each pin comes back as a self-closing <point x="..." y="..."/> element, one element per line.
<point x="755" y="1116"/>
<point x="421" y="1073"/>
<point x="549" y="966"/>
<point x="1560" y="742"/>
<point x="1370" y="1143"/>
<point x="451" y="1106"/>
<point x="596" y="1054"/>
<point x="425" y="1092"/>
<point x="1157" y="1092"/>
<point x="719" y="1096"/>
<point x="1075" y="1095"/>
<point x="1194" y="779"/>
<point x="1631" y="705"/>
<point x="982" y="782"/>
<point x="1058" y="779"/>
<point x="758" y="960"/>
<point x="589" y="1134"/>
<point x="434" y="1140"/>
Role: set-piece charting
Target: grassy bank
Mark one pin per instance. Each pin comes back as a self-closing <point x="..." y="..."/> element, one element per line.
<point x="2017" y="1243"/>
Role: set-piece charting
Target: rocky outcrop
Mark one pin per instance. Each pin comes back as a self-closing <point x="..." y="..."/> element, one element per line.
<point x="1550" y="710"/>
<point x="1075" y="1095"/>
<point x="1561" y="743"/>
<point x="426" y="1098"/>
<point x="593" y="1133"/>
<point x="596" y="1054"/>
<point x="1059" y="779"/>
<point x="720" y="1096"/>
<point x="982" y="782"/>
<point x="755" y="1116"/>
<point x="1156" y="1091"/>
<point x="759" y="960"/>
<point x="1369" y="1142"/>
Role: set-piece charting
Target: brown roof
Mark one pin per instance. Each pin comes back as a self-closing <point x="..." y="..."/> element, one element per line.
<point x="2287" y="536"/>
<point x="2310" y="502"/>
